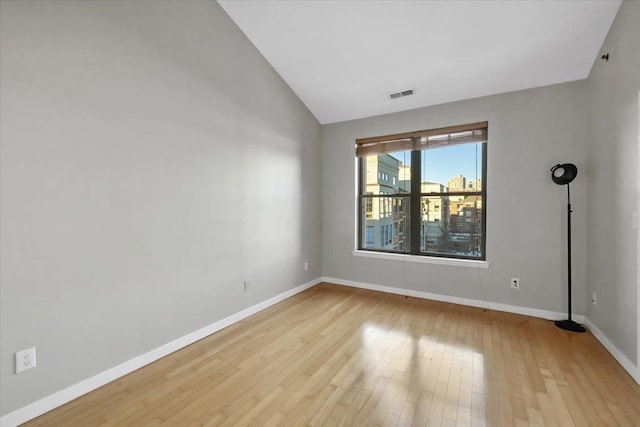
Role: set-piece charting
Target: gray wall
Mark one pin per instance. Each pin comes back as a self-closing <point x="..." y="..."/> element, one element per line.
<point x="152" y="160"/>
<point x="529" y="131"/>
<point x="613" y="179"/>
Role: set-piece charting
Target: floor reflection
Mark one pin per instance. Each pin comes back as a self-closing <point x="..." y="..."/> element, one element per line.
<point x="420" y="377"/>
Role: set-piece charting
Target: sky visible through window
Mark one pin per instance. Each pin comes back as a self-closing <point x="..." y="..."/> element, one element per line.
<point x="441" y="164"/>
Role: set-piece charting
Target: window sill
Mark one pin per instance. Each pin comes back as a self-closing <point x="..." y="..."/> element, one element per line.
<point x="424" y="259"/>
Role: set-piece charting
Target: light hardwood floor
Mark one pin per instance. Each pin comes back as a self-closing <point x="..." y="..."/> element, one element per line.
<point x="341" y="356"/>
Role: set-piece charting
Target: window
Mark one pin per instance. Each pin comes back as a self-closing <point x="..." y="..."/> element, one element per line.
<point x="369" y="237"/>
<point x="369" y="207"/>
<point x="437" y="204"/>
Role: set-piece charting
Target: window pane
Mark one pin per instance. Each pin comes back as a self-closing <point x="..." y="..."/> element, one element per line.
<point x="386" y="225"/>
<point x="454" y="227"/>
<point x="458" y="167"/>
<point x="434" y="224"/>
<point x="388" y="173"/>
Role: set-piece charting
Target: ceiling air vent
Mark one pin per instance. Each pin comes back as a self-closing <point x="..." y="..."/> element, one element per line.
<point x="401" y="93"/>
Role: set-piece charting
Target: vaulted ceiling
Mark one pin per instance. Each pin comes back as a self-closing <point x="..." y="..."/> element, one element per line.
<point x="344" y="58"/>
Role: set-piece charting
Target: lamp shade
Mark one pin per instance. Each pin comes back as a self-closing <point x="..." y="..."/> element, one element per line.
<point x="563" y="174"/>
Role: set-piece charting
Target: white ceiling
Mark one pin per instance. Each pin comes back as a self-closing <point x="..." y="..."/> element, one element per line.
<point x="343" y="58"/>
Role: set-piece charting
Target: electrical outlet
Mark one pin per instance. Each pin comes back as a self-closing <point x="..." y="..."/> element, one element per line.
<point x="594" y="298"/>
<point x="246" y="286"/>
<point x="25" y="359"/>
<point x="306" y="266"/>
<point x="515" y="283"/>
<point x="634" y="220"/>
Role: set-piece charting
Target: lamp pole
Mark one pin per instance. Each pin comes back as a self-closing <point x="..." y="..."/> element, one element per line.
<point x="569" y="247"/>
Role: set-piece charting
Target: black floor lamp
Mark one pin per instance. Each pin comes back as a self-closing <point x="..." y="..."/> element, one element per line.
<point x="563" y="175"/>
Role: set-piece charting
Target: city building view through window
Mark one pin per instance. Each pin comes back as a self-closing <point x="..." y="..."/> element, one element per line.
<point x="450" y="218"/>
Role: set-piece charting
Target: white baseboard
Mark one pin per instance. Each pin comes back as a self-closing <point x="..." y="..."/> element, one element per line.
<point x="61" y="397"/>
<point x="48" y="403"/>
<point x="630" y="367"/>
<point x="534" y="312"/>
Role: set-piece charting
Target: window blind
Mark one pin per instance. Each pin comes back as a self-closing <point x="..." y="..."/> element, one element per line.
<point x="423" y="140"/>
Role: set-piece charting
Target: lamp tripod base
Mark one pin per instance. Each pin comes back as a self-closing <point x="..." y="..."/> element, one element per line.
<point x="570" y="325"/>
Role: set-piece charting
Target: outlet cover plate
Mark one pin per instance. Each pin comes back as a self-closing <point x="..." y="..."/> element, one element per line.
<point x="25" y="359"/>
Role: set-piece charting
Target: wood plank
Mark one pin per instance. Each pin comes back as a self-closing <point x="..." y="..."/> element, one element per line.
<point x="340" y="356"/>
